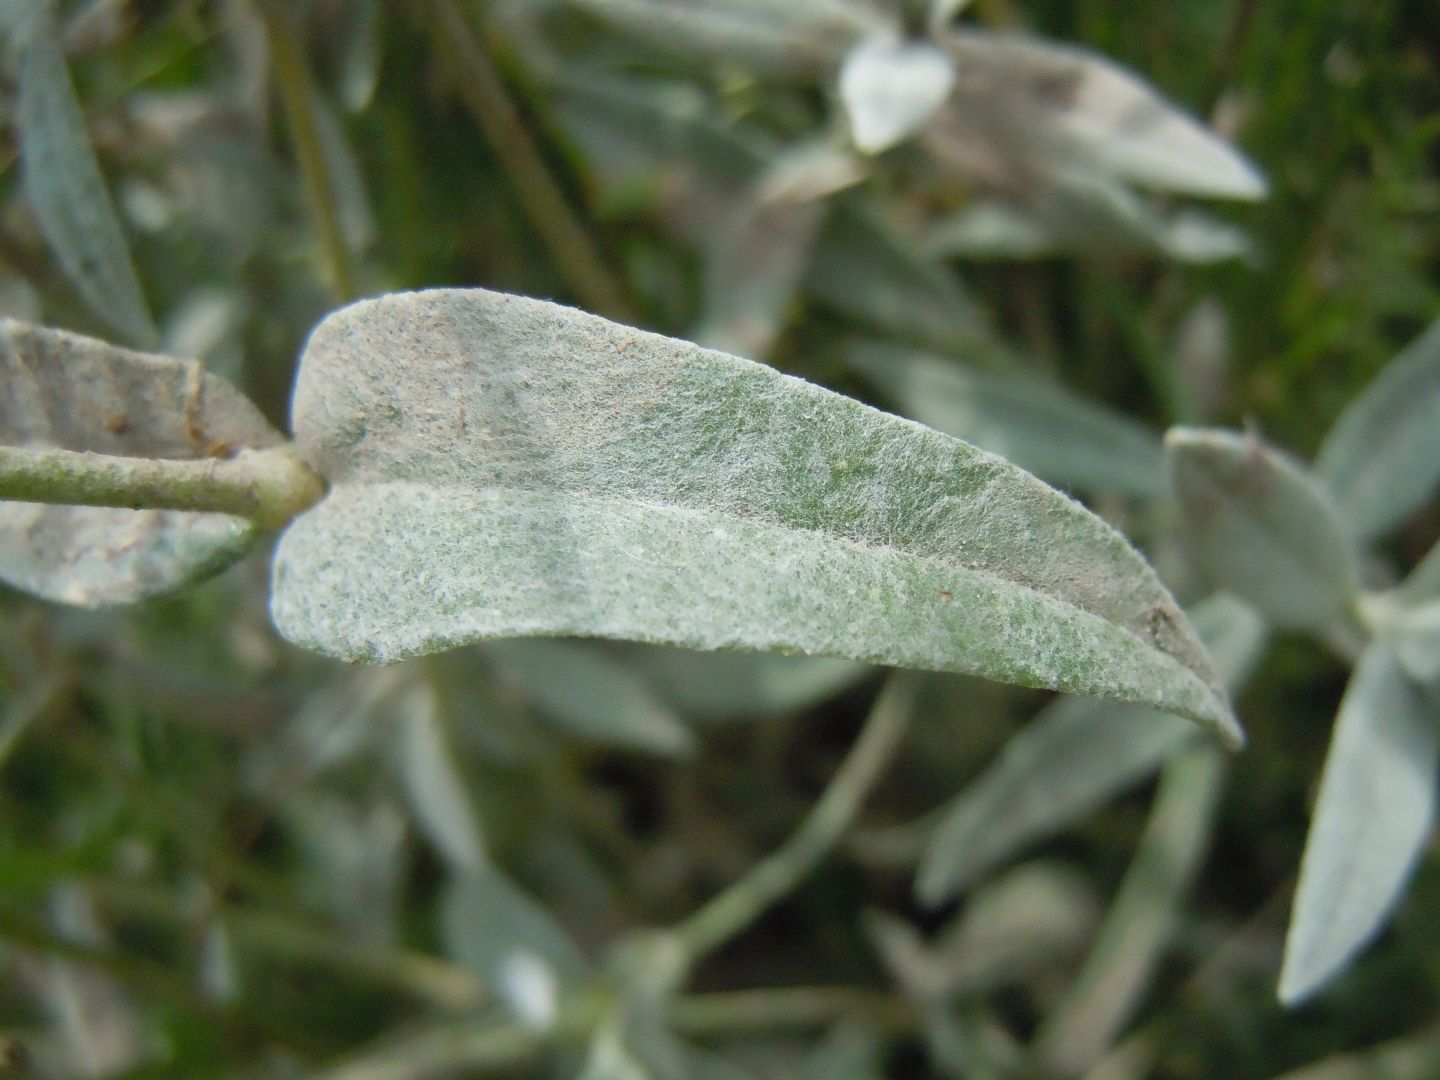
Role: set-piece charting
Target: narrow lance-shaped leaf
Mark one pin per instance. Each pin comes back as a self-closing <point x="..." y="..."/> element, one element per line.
<point x="433" y="783"/>
<point x="511" y="941"/>
<point x="1371" y="821"/>
<point x="1381" y="460"/>
<point x="503" y="467"/>
<point x="64" y="391"/>
<point x="584" y="691"/>
<point x="866" y="270"/>
<point x="63" y="182"/>
<point x="1018" y="926"/>
<point x="1261" y="527"/>
<point x="1023" y="106"/>
<point x="726" y="685"/>
<point x="1072" y="757"/>
<point x="791" y="40"/>
<point x="756" y="263"/>
<point x="1040" y="426"/>
<point x="1085" y="212"/>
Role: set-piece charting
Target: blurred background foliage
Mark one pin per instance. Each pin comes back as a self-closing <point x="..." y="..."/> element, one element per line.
<point x="221" y="856"/>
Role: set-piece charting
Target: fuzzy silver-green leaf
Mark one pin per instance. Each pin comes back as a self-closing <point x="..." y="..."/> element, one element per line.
<point x="1261" y="527"/>
<point x="1372" y="818"/>
<point x="592" y="695"/>
<point x="1025" y="108"/>
<point x="506" y="467"/>
<point x="63" y="183"/>
<point x="64" y="391"/>
<point x="1381" y="460"/>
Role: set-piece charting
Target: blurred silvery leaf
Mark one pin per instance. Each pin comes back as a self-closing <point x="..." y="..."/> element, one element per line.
<point x="992" y="229"/>
<point x="848" y="1052"/>
<point x="331" y="726"/>
<point x="1423" y="583"/>
<point x="209" y="324"/>
<point x="1260" y="526"/>
<point x="1074" y="754"/>
<point x="1026" y="110"/>
<point x="522" y="953"/>
<point x="756" y="262"/>
<point x="1371" y="820"/>
<point x="1381" y="460"/>
<point x="360" y="50"/>
<point x="354" y="859"/>
<point x="1015" y="927"/>
<point x="1200" y="351"/>
<point x="610" y="1059"/>
<point x="626" y="1047"/>
<point x="221" y="184"/>
<point x="502" y="466"/>
<point x="1414" y="637"/>
<point x="357" y="220"/>
<point x="651" y="132"/>
<point x="891" y="89"/>
<point x="793" y="40"/>
<point x="1064" y="439"/>
<point x="582" y="689"/>
<point x="433" y="782"/>
<point x="219" y="974"/>
<point x="864" y="268"/>
<point x="727" y="685"/>
<point x="1083" y="213"/>
<point x="62" y="178"/>
<point x="100" y="1025"/>
<point x="75" y="393"/>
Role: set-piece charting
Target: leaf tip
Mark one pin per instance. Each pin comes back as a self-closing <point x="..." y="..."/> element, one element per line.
<point x="1301" y="977"/>
<point x="1231" y="734"/>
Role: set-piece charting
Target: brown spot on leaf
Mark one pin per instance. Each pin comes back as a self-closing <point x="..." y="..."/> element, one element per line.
<point x="1058" y="88"/>
<point x="195" y="404"/>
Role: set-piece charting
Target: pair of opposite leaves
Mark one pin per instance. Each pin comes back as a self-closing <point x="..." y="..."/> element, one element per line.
<point x="500" y="466"/>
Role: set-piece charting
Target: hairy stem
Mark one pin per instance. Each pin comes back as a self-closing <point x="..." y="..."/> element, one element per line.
<point x="484" y="94"/>
<point x="293" y="80"/>
<point x="743" y="902"/>
<point x="268" y="486"/>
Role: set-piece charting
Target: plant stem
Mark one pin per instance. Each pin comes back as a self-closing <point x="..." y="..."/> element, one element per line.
<point x="293" y="80"/>
<point x="444" y="985"/>
<point x="1141" y="919"/>
<point x="484" y="94"/>
<point x="727" y="1012"/>
<point x="268" y="486"/>
<point x="743" y="902"/>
